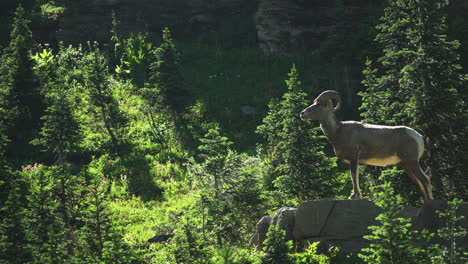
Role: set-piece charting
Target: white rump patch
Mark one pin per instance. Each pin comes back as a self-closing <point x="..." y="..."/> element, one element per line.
<point x="418" y="138"/>
<point x="391" y="160"/>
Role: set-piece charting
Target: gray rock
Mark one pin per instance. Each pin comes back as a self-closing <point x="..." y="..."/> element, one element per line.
<point x="350" y="219"/>
<point x="334" y="219"/>
<point x="311" y="217"/>
<point x="344" y="223"/>
<point x="261" y="229"/>
<point x="248" y="110"/>
<point x="285" y="219"/>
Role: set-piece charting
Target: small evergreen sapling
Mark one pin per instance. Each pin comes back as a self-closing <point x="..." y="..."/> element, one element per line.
<point x="166" y="76"/>
<point x="100" y="102"/>
<point x="277" y="248"/>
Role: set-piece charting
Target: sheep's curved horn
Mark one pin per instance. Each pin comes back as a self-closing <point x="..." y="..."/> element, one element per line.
<point x="329" y="95"/>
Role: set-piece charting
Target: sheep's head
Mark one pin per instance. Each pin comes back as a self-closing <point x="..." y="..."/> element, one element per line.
<point x="322" y="106"/>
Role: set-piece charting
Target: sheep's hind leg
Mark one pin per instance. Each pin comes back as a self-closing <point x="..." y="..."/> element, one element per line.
<point x="413" y="169"/>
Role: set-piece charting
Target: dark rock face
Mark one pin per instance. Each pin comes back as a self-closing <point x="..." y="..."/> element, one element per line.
<point x="92" y="20"/>
<point x="343" y="223"/>
<point x="286" y="26"/>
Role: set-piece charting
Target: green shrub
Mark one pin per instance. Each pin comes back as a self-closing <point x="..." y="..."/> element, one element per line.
<point x="277" y="248"/>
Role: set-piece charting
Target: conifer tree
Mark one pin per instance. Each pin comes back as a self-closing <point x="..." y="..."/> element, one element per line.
<point x="277" y="248"/>
<point x="393" y="240"/>
<point x="14" y="242"/>
<point x="101" y="103"/>
<point x="47" y="227"/>
<point x="19" y="100"/>
<point x="103" y="242"/>
<point x="216" y="153"/>
<point x="60" y="132"/>
<point x="421" y="86"/>
<point x="304" y="168"/>
<point x="166" y="76"/>
<point x="14" y="82"/>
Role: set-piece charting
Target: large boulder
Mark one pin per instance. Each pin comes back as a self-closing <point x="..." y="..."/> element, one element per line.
<point x="340" y="223"/>
<point x="344" y="223"/>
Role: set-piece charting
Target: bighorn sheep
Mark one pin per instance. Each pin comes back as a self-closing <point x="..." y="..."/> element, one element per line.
<point x="357" y="142"/>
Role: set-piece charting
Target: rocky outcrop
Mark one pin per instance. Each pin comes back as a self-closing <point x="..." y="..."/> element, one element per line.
<point x="343" y="223"/>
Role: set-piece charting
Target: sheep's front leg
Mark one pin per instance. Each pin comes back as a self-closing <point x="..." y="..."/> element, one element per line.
<point x="354" y="167"/>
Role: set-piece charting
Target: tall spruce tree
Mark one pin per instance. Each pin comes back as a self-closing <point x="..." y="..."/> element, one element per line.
<point x="418" y="82"/>
<point x="216" y="154"/>
<point x="19" y="104"/>
<point x="304" y="170"/>
<point x="60" y="132"/>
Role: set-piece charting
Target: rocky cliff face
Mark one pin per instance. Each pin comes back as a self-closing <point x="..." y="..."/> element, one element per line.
<point x="292" y="25"/>
<point x="92" y="19"/>
<point x="282" y="26"/>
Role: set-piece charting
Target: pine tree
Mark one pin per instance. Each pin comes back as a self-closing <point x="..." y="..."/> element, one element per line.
<point x="166" y="76"/>
<point x="103" y="242"/>
<point x="14" y="242"/>
<point x="47" y="227"/>
<point x="451" y="232"/>
<point x="19" y="101"/>
<point x="14" y="67"/>
<point x="277" y="248"/>
<point x="215" y="151"/>
<point x="216" y="154"/>
<point x="420" y="85"/>
<point x="304" y="168"/>
<point x="100" y="101"/>
<point x="60" y="133"/>
<point x="394" y="240"/>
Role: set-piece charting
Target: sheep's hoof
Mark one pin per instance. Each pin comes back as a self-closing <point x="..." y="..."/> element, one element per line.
<point x="355" y="196"/>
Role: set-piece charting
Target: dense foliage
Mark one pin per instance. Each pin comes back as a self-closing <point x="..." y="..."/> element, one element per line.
<point x="134" y="152"/>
